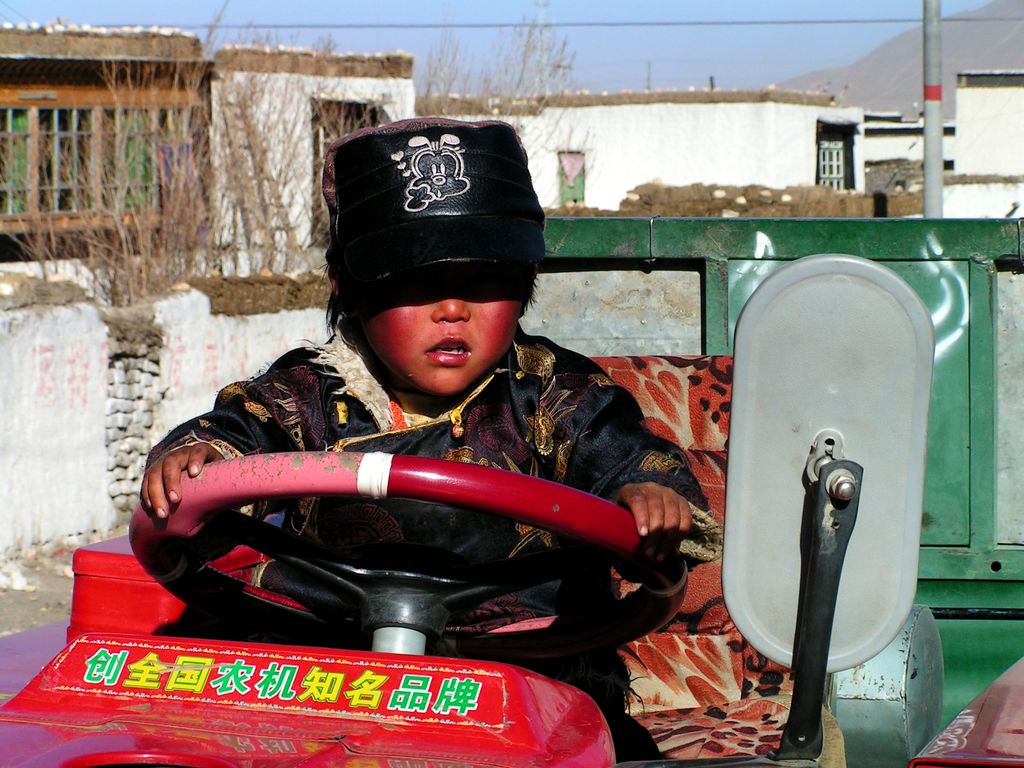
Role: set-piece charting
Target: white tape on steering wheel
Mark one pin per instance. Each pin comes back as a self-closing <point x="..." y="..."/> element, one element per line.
<point x="373" y="474"/>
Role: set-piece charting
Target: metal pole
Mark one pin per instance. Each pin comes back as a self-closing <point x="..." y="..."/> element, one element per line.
<point x="932" y="109"/>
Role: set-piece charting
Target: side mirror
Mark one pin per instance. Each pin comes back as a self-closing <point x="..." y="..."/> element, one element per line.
<point x="832" y="382"/>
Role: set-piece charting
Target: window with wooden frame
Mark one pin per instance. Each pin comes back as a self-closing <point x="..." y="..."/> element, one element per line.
<point x="331" y="120"/>
<point x="128" y="163"/>
<point x="14" y="161"/>
<point x="835" y="167"/>
<point x="65" y="160"/>
<point x="66" y="163"/>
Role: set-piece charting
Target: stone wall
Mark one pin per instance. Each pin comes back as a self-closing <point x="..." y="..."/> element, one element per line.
<point x="134" y="394"/>
<point x="85" y="393"/>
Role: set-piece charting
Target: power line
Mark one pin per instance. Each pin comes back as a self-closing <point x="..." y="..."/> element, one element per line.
<point x="581" y="24"/>
<point x="10" y="7"/>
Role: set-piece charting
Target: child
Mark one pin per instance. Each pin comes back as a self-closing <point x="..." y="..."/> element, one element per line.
<point x="436" y="233"/>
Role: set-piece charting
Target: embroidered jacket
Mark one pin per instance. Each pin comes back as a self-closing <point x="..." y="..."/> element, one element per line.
<point x="547" y="412"/>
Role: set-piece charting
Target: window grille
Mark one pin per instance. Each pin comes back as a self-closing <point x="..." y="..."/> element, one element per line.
<point x="14" y="160"/>
<point x="135" y="141"/>
<point x="69" y="164"/>
<point x="65" y="152"/>
<point x="831" y="167"/>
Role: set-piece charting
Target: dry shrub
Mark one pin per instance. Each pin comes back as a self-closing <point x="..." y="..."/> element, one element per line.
<point x="172" y="193"/>
<point x="527" y="68"/>
<point x="125" y="196"/>
<point x="260" y="221"/>
<point x="254" y="169"/>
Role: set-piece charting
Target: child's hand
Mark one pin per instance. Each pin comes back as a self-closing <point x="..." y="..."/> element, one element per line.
<point x="662" y="516"/>
<point x="161" y="485"/>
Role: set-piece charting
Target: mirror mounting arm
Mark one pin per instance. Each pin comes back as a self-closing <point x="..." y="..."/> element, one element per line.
<point x="828" y="523"/>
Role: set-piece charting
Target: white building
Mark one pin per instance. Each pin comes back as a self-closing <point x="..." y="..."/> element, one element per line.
<point x="108" y="136"/>
<point x="989" y="180"/>
<point x="592" y="149"/>
<point x="888" y="136"/>
<point x="274" y="113"/>
<point x="990" y="131"/>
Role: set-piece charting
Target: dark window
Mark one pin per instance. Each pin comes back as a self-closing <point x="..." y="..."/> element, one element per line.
<point x="65" y="160"/>
<point x="835" y="156"/>
<point x="332" y="120"/>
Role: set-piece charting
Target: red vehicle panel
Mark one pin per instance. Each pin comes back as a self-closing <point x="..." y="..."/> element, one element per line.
<point x="988" y="731"/>
<point x="109" y="699"/>
<point x="134" y="686"/>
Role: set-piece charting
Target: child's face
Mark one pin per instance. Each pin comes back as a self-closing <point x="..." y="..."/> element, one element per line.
<point x="440" y="330"/>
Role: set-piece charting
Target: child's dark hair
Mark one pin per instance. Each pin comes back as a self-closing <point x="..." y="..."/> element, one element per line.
<point x="428" y="191"/>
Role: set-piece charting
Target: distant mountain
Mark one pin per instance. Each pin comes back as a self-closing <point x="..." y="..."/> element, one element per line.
<point x="889" y="78"/>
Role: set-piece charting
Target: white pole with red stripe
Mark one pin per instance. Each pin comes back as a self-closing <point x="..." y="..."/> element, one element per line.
<point x="932" y="109"/>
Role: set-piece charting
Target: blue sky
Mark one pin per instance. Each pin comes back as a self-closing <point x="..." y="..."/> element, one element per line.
<point x="608" y="58"/>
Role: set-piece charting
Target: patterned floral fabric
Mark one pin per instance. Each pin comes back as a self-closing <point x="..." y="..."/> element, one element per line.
<point x="751" y="726"/>
<point x="699" y="687"/>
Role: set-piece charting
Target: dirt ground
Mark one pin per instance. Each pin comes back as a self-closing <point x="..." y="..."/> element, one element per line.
<point x="36" y="589"/>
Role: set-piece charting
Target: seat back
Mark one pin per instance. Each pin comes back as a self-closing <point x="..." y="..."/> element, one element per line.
<point x="699" y="659"/>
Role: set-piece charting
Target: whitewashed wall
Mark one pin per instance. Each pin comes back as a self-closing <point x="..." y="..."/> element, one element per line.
<point x="908" y="145"/>
<point x="284" y="102"/>
<point x="66" y="430"/>
<point x="626" y="145"/>
<point x="989" y="200"/>
<point x="204" y="352"/>
<point x="53" y="397"/>
<point x="903" y="146"/>
<point x="63" y="427"/>
<point x="990" y="131"/>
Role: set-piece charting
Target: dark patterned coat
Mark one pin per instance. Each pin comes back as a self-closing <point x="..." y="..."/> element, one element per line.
<point x="546" y="411"/>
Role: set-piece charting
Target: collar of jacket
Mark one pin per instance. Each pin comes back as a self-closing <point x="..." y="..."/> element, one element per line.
<point x="347" y="356"/>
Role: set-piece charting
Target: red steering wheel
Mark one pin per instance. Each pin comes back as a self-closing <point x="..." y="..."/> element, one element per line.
<point x="182" y="551"/>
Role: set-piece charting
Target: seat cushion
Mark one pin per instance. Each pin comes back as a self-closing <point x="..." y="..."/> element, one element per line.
<point x="749" y="727"/>
<point x="699" y="660"/>
<point x="743" y="727"/>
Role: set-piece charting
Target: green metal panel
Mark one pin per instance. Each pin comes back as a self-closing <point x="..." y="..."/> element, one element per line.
<point x="598" y="238"/>
<point x="948" y="262"/>
<point x="975" y="652"/>
<point x="715" y="241"/>
<point x="717" y="339"/>
<point x="943" y="287"/>
<point x="951" y="264"/>
<point x="878" y="239"/>
<point x="983" y="417"/>
<point x="983" y="558"/>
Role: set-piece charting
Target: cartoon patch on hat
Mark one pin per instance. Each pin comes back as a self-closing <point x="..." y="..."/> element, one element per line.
<point x="436" y="167"/>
